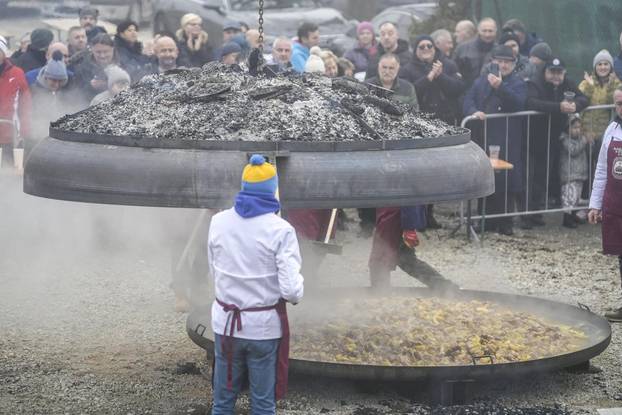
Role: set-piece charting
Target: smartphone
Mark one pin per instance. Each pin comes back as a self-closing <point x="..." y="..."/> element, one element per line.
<point x="494" y="69"/>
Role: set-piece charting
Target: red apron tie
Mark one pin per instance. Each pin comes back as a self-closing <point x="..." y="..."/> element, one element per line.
<point x="235" y="323"/>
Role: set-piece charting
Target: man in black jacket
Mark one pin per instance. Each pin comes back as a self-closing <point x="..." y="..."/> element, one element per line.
<point x="553" y="93"/>
<point x="471" y="56"/>
<point x="389" y="43"/>
<point x="35" y="56"/>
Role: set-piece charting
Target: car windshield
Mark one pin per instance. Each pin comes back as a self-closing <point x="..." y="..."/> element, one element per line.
<point x="271" y="4"/>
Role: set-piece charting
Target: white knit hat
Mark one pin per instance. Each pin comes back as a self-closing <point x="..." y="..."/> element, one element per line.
<point x="315" y="63"/>
<point x="4" y="46"/>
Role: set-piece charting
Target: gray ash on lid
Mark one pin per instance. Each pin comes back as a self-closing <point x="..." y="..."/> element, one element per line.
<point x="218" y="103"/>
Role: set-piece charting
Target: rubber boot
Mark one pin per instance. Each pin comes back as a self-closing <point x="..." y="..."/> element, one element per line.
<point x="422" y="271"/>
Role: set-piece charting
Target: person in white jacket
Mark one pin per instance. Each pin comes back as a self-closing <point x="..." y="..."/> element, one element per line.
<point x="606" y="199"/>
<point x="255" y="261"/>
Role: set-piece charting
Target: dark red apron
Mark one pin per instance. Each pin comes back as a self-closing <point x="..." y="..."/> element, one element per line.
<point x="235" y="323"/>
<point x="612" y="201"/>
<point x="387" y="237"/>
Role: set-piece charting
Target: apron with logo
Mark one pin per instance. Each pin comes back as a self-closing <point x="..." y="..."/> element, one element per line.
<point x="612" y="201"/>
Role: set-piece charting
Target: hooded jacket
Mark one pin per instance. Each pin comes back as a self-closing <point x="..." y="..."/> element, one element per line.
<point x="402" y="52"/>
<point x="361" y="56"/>
<point x="300" y="54"/>
<point x="15" y="100"/>
<point x="439" y="96"/>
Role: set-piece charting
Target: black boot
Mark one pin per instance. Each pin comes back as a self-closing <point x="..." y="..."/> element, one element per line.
<point x="422" y="271"/>
<point x="569" y="221"/>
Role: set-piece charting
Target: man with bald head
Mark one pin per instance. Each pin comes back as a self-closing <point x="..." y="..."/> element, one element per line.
<point x="166" y="52"/>
<point x="280" y="61"/>
<point x="465" y="31"/>
<point x="390" y="42"/>
<point x="471" y="56"/>
<point x="31" y="76"/>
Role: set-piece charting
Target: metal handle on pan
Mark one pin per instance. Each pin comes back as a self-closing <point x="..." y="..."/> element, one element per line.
<point x="200" y="326"/>
<point x="484" y="356"/>
<point x="583" y="307"/>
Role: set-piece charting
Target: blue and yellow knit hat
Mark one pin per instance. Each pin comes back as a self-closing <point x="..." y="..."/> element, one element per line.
<point x="259" y="176"/>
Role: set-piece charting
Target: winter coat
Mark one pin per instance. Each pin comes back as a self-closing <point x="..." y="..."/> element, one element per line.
<point x="404" y="91"/>
<point x="543" y="97"/>
<point x="254" y="262"/>
<point x="131" y="57"/>
<point x="361" y="56"/>
<point x="32" y="59"/>
<point x="531" y="39"/>
<point x="86" y="71"/>
<point x="439" y="96"/>
<point x="300" y="54"/>
<point x="617" y="65"/>
<point x="470" y="57"/>
<point x="509" y="97"/>
<point x="573" y="168"/>
<point x="403" y="53"/>
<point x="48" y="106"/>
<point x="596" y="122"/>
<point x="191" y="58"/>
<point x="14" y="96"/>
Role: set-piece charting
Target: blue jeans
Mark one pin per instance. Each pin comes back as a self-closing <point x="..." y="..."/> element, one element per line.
<point x="258" y="358"/>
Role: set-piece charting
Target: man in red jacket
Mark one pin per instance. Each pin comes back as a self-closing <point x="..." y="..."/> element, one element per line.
<point x="14" y="104"/>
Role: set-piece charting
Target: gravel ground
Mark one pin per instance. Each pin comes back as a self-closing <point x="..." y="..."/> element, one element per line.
<point x="87" y="322"/>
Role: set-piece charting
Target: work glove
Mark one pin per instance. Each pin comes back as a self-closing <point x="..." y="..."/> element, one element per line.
<point x="410" y="238"/>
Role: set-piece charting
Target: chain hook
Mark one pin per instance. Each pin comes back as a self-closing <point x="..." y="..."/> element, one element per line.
<point x="261" y="24"/>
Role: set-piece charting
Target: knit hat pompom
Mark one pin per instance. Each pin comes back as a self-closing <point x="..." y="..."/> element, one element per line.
<point x="365" y="25"/>
<point x="257" y="160"/>
<point x="259" y="176"/>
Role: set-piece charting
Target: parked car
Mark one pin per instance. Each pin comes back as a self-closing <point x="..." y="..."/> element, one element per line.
<point x="405" y="16"/>
<point x="117" y="10"/>
<point x="281" y="17"/>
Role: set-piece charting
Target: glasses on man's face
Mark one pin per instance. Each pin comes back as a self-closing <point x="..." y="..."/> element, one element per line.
<point x="425" y="46"/>
<point x="280" y="50"/>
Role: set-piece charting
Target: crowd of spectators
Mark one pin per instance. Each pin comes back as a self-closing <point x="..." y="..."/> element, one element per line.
<point x="475" y="71"/>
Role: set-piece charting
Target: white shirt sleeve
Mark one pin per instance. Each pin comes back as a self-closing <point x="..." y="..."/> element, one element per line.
<point x="600" y="176"/>
<point x="288" y="263"/>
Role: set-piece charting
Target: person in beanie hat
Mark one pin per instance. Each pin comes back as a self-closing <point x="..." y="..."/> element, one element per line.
<point x="315" y="63"/>
<point x="118" y="81"/>
<point x="230" y="53"/>
<point x="88" y="17"/>
<point x="15" y="102"/>
<point x="366" y="50"/>
<point x="526" y="40"/>
<point x="598" y="86"/>
<point x="523" y="67"/>
<point x="255" y="262"/>
<point x="500" y="91"/>
<point x="35" y="57"/>
<point x="540" y="53"/>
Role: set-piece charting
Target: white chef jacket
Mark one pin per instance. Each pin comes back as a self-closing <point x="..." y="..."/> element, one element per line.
<point x="254" y="262"/>
<point x="613" y="132"/>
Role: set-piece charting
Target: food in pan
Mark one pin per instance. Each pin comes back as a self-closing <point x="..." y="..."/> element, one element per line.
<point x="406" y="331"/>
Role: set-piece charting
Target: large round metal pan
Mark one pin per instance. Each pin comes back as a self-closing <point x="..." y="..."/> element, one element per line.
<point x="311" y="175"/>
<point x="597" y="329"/>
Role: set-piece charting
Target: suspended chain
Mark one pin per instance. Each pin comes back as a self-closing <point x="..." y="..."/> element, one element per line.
<point x="261" y="24"/>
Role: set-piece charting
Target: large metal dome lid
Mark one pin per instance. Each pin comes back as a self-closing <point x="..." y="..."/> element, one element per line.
<point x="217" y="107"/>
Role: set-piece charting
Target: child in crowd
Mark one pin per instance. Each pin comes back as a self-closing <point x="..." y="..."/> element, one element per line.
<point x="572" y="168"/>
<point x="118" y="81"/>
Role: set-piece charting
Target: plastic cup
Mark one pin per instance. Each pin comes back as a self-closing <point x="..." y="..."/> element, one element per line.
<point x="18" y="157"/>
<point x="494" y="151"/>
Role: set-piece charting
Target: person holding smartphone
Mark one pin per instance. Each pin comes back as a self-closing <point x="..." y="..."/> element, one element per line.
<point x="606" y="199"/>
<point x="500" y="91"/>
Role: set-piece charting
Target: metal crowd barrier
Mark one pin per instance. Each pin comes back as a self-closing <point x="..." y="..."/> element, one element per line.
<point x="509" y="210"/>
